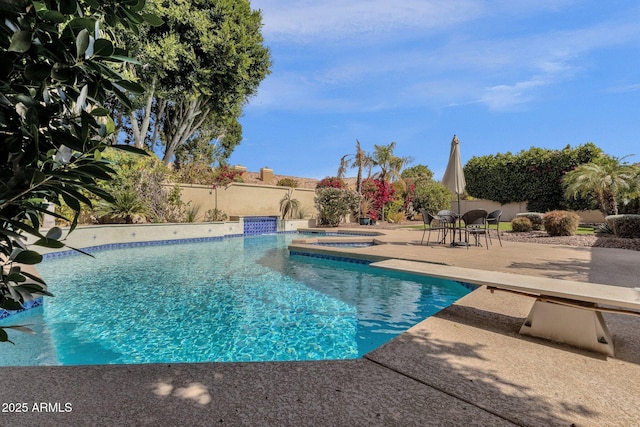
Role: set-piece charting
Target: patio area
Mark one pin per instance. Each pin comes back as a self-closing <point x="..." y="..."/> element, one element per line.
<point x="468" y="365"/>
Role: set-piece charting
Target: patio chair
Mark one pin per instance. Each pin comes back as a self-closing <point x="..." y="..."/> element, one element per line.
<point x="431" y="223"/>
<point x="475" y="223"/>
<point x="494" y="218"/>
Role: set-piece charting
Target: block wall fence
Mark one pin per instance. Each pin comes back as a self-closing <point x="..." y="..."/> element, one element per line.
<point x="240" y="199"/>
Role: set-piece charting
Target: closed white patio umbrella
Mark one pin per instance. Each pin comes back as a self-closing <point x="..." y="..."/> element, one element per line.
<point x="453" y="177"/>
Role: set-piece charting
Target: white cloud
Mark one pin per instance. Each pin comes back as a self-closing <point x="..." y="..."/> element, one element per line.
<point x="502" y="97"/>
<point x="635" y="87"/>
<point x="446" y="62"/>
<point x="300" y="21"/>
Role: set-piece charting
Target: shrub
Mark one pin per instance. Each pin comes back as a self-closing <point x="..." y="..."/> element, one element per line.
<point x="191" y="212"/>
<point x="534" y="217"/>
<point x="175" y="210"/>
<point x="380" y="193"/>
<point x="333" y="204"/>
<point x="521" y="224"/>
<point x="331" y="182"/>
<point x="561" y="223"/>
<point x="287" y="182"/>
<point x="394" y="211"/>
<point x="224" y="176"/>
<point x="215" y="214"/>
<point x="431" y="196"/>
<point x="624" y="225"/>
<point x="195" y="173"/>
<point x="396" y="217"/>
<point x="145" y="177"/>
<point x="302" y="213"/>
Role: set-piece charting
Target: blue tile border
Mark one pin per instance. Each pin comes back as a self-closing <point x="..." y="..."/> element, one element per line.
<point x="37" y="302"/>
<point x="470" y="286"/>
<point x="339" y="233"/>
<point x="331" y="257"/>
<point x="345" y="244"/>
<point x="96" y="248"/>
<point x="260" y="225"/>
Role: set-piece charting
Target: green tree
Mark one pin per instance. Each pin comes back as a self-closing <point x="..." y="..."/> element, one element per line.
<point x="200" y="67"/>
<point x="431" y="196"/>
<point x="59" y="64"/>
<point x="608" y="181"/>
<point x="417" y="172"/>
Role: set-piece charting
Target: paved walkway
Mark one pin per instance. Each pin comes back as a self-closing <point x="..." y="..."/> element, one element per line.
<point x="465" y="366"/>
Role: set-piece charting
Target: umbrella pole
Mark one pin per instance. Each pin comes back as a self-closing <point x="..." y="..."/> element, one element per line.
<point x="459" y="212"/>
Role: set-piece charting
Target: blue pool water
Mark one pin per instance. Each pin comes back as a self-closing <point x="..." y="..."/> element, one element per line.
<point x="237" y="299"/>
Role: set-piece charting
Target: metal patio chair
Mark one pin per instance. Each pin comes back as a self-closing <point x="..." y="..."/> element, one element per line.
<point x="494" y="218"/>
<point x="433" y="222"/>
<point x="475" y="223"/>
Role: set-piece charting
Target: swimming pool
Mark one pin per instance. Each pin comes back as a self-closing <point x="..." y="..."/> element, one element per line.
<point x="236" y="299"/>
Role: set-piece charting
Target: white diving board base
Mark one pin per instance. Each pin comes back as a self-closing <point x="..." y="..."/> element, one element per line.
<point x="565" y="311"/>
<point x="578" y="327"/>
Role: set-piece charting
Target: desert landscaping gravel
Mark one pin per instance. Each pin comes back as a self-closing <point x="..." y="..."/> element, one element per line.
<point x="597" y="240"/>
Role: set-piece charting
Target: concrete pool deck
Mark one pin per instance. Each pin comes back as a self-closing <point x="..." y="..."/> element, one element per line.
<point x="467" y="365"/>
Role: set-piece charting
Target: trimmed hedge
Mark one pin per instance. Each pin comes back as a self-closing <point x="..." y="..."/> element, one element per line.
<point x="627" y="225"/>
<point x="534" y="176"/>
<point x="521" y="224"/>
<point x="534" y="217"/>
<point x="561" y="223"/>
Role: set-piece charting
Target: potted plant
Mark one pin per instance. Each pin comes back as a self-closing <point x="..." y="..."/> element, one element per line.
<point x="365" y="207"/>
<point x="373" y="217"/>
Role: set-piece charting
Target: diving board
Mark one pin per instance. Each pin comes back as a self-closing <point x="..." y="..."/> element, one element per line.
<point x="565" y="311"/>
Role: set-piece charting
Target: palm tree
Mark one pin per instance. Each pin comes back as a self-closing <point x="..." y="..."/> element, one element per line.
<point x="390" y="165"/>
<point x="358" y="160"/>
<point x="606" y="181"/>
<point x="126" y="204"/>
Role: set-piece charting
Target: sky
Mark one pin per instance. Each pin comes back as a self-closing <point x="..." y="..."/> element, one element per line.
<point x="502" y="75"/>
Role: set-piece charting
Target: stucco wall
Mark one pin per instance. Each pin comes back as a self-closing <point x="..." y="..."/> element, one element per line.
<point x="238" y="199"/>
